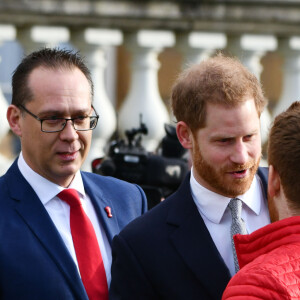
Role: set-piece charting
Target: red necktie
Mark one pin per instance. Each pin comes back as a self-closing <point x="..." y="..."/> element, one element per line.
<point x="86" y="246"/>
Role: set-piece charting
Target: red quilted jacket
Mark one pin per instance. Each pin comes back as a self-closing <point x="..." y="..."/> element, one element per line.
<point x="269" y="259"/>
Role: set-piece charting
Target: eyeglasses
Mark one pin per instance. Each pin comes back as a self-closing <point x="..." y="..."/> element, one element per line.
<point x="54" y="124"/>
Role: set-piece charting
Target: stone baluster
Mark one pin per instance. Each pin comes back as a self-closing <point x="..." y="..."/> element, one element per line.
<point x="249" y="49"/>
<point x="289" y="48"/>
<point x="7" y="33"/>
<point x="197" y="46"/>
<point x="35" y="37"/>
<point x="94" y="44"/>
<point x="144" y="98"/>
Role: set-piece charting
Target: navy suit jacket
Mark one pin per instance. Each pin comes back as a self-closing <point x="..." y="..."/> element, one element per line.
<point x="34" y="261"/>
<point x="168" y="253"/>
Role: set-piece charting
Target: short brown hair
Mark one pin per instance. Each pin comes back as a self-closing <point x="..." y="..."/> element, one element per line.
<point x="220" y="80"/>
<point x="50" y="58"/>
<point x="284" y="151"/>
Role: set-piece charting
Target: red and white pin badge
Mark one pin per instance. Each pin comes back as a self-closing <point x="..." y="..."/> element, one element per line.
<point x="108" y="211"/>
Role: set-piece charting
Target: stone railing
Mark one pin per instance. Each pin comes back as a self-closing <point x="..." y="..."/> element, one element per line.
<point x="249" y="30"/>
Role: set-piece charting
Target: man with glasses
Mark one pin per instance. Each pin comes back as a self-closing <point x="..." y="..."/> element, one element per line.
<point x="56" y="222"/>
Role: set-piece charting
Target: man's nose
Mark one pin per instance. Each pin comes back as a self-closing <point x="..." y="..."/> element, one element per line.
<point x="240" y="153"/>
<point x="69" y="132"/>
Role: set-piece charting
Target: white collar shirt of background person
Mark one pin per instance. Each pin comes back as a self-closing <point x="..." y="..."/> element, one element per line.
<point x="217" y="217"/>
<point x="59" y="211"/>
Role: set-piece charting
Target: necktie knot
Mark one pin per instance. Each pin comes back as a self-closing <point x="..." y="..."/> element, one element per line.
<point x="70" y="196"/>
<point x="235" y="206"/>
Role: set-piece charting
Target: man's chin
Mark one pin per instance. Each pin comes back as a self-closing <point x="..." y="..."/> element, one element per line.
<point x="70" y="170"/>
<point x="230" y="186"/>
<point x="67" y="170"/>
<point x="238" y="186"/>
<point x="236" y="190"/>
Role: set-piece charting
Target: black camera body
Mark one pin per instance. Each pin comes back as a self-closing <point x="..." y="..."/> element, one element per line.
<point x="159" y="175"/>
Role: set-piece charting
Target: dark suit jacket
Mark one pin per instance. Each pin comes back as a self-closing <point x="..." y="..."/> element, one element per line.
<point x="169" y="254"/>
<point x="34" y="261"/>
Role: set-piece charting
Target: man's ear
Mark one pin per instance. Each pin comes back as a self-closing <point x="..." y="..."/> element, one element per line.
<point x="273" y="182"/>
<point x="184" y="135"/>
<point x="13" y="116"/>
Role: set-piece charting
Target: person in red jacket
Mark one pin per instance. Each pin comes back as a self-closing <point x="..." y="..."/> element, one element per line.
<point x="269" y="258"/>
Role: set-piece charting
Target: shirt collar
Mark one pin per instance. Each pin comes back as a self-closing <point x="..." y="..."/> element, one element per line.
<point x="45" y="189"/>
<point x="213" y="205"/>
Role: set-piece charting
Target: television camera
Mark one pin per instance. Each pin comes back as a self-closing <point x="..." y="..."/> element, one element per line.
<point x="158" y="174"/>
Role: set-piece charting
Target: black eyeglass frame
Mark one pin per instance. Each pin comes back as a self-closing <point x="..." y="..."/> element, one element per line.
<point x="66" y="120"/>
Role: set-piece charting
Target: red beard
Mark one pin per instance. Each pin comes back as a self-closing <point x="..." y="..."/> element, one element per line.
<point x="220" y="182"/>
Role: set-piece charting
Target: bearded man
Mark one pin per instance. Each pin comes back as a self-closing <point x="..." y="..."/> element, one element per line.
<point x="182" y="249"/>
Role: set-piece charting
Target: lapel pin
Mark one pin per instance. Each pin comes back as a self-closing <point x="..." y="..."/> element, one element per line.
<point x="108" y="211"/>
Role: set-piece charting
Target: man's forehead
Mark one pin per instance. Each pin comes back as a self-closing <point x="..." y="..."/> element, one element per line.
<point x="64" y="110"/>
<point x="61" y="77"/>
<point x="248" y="105"/>
<point x="220" y="115"/>
<point x="53" y="69"/>
<point x="228" y="105"/>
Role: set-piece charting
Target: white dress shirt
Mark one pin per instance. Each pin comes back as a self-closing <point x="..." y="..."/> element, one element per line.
<point x="217" y="217"/>
<point x="59" y="211"/>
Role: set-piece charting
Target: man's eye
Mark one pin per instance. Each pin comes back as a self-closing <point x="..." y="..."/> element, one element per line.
<point x="50" y="118"/>
<point x="248" y="137"/>
<point x="223" y="140"/>
<point x="81" y="120"/>
<point x="53" y="120"/>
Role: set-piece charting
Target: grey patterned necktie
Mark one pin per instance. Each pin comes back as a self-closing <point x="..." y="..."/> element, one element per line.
<point x="237" y="225"/>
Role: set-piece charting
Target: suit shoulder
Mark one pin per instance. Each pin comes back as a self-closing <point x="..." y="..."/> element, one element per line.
<point x="108" y="182"/>
<point x="150" y="222"/>
<point x="263" y="172"/>
<point x="124" y="196"/>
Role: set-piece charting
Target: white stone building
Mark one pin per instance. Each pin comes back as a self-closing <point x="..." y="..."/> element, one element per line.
<point x="135" y="49"/>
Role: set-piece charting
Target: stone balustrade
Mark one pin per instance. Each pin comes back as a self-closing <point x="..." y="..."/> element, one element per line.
<point x="249" y="30"/>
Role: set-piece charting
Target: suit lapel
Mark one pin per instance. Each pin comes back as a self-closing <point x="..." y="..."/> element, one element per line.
<point x="33" y="213"/>
<point x="100" y="202"/>
<point x="263" y="173"/>
<point x="194" y="243"/>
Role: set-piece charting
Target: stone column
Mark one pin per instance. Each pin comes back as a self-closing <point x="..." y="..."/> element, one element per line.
<point x="144" y="98"/>
<point x="196" y="46"/>
<point x="7" y="33"/>
<point x="290" y="50"/>
<point x="35" y="37"/>
<point x="250" y="49"/>
<point x="93" y="44"/>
